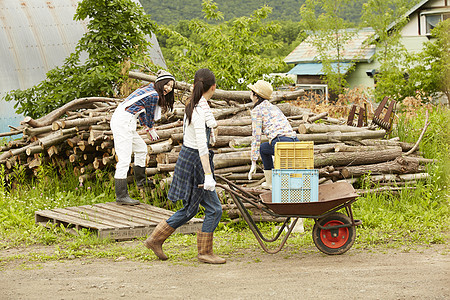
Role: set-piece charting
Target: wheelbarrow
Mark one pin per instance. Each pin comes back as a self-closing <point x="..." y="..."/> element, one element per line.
<point x="333" y="232"/>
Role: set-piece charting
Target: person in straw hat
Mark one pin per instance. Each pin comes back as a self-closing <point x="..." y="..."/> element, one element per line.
<point x="145" y="104"/>
<point x="270" y="120"/>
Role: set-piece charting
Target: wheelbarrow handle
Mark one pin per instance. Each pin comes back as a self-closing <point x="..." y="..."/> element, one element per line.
<point x="200" y="186"/>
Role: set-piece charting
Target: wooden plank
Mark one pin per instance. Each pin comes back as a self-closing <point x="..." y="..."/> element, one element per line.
<point x="114" y="221"/>
<point x="139" y="218"/>
<point x="86" y="217"/>
<point x="126" y="233"/>
<point x="60" y="217"/>
<point x="94" y="214"/>
<point x="146" y="215"/>
<point x="162" y="211"/>
<point x="157" y="210"/>
<point x="120" y="214"/>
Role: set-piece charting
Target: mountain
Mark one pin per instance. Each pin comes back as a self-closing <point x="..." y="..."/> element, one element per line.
<point x="171" y="12"/>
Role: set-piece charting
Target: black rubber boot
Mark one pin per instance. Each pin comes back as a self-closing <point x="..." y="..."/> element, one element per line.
<point x="141" y="178"/>
<point x="122" y="196"/>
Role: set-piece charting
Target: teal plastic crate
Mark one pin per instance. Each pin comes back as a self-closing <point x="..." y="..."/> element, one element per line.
<point x="295" y="185"/>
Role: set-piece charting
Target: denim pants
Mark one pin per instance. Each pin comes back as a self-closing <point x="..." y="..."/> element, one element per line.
<point x="268" y="149"/>
<point x="213" y="213"/>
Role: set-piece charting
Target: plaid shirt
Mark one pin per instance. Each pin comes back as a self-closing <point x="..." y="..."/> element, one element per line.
<point x="269" y="119"/>
<point x="146" y="106"/>
<point x="187" y="176"/>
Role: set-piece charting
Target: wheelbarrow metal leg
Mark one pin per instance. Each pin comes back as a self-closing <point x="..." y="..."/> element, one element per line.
<point x="257" y="233"/>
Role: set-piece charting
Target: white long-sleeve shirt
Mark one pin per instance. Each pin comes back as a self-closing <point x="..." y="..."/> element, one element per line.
<point x="195" y="131"/>
<point x="209" y="118"/>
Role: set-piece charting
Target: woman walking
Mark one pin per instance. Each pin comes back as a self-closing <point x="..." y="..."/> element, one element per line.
<point x="145" y="104"/>
<point x="194" y="166"/>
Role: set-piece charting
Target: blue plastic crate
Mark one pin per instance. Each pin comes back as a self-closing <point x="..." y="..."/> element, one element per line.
<point x="295" y="185"/>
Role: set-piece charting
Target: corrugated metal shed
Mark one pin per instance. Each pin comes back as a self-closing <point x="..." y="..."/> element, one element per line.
<point x="35" y="37"/>
<point x="355" y="50"/>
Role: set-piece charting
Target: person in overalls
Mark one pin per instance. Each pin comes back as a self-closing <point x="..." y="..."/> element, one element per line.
<point x="194" y="166"/>
<point x="270" y="120"/>
<point x="146" y="104"/>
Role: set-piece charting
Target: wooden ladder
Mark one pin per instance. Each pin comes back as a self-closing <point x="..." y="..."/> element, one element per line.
<point x="385" y="121"/>
<point x="362" y="115"/>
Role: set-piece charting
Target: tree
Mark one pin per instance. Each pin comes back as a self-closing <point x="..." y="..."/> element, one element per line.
<point x="229" y="49"/>
<point x="329" y="35"/>
<point x="430" y="73"/>
<point x="386" y="18"/>
<point x="116" y="32"/>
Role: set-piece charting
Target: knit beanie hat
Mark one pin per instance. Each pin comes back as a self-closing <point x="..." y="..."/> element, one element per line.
<point x="161" y="75"/>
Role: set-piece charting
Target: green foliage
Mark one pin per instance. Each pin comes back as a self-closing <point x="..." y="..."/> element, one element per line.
<point x="435" y="143"/>
<point x="231" y="49"/>
<point x="165" y="13"/>
<point x="418" y="215"/>
<point x="385" y="17"/>
<point x="46" y="191"/>
<point x="288" y="37"/>
<point x="116" y="32"/>
<point x="328" y="35"/>
<point x="429" y="73"/>
<point x="414" y="217"/>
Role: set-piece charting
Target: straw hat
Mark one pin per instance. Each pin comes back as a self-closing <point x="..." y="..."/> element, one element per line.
<point x="262" y="88"/>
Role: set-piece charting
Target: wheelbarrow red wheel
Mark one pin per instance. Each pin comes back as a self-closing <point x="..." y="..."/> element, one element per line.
<point x="334" y="241"/>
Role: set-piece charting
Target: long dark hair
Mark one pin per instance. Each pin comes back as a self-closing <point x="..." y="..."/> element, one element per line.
<point x="204" y="79"/>
<point x="165" y="101"/>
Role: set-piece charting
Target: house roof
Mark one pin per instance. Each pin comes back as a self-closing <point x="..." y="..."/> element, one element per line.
<point x="409" y="12"/>
<point x="356" y="49"/>
<point x="416" y="7"/>
<point x="316" y="68"/>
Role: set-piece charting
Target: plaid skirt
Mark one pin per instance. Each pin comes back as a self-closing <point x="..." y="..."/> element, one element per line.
<point x="187" y="176"/>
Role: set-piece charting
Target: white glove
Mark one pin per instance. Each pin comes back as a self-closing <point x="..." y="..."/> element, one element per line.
<point x="154" y="136"/>
<point x="210" y="183"/>
<point x="252" y="170"/>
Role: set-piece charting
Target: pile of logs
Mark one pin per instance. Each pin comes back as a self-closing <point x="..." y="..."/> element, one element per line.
<point x="78" y="135"/>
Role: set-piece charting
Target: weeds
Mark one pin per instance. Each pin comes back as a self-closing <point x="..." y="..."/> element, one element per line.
<point x="404" y="220"/>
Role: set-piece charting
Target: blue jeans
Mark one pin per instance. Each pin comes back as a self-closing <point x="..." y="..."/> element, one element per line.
<point x="213" y="213"/>
<point x="268" y="149"/>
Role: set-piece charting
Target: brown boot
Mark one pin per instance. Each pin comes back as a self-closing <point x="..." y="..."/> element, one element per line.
<point x="205" y="249"/>
<point x="159" y="235"/>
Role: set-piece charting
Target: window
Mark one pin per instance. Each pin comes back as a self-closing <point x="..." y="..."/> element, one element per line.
<point x="431" y="20"/>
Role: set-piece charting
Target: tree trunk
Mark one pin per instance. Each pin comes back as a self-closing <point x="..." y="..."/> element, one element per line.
<point x="399" y="177"/>
<point x="323" y="128"/>
<point x="240" y="96"/>
<point x="230" y="170"/>
<point x="370" y="142"/>
<point x="331" y="137"/>
<point x="345" y="148"/>
<point x="235" y="122"/>
<point x="235" y="130"/>
<point x="355" y="158"/>
<point x="57" y="113"/>
<point x="36" y="131"/>
<point x="397" y="166"/>
<point x="161" y="147"/>
<point x="167" y="133"/>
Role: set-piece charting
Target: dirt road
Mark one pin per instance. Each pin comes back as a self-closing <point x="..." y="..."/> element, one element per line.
<point x="357" y="274"/>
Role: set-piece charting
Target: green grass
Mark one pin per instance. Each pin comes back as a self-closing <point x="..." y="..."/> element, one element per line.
<point x="406" y="220"/>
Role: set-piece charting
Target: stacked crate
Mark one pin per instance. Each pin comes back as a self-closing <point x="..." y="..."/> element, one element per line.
<point x="294" y="179"/>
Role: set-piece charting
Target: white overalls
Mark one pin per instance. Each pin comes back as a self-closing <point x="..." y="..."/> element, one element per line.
<point x="126" y="139"/>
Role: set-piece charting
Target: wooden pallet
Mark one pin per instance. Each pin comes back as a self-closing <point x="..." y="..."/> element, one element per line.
<point x="112" y="220"/>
